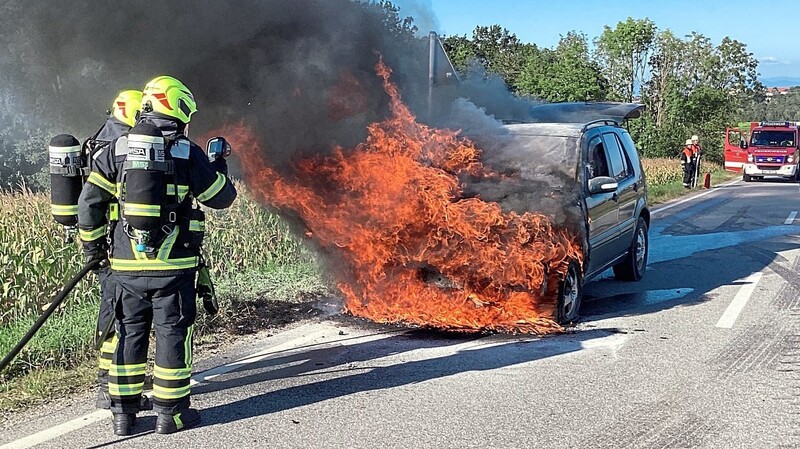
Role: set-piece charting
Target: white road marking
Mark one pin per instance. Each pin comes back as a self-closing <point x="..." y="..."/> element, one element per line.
<point x="57" y="431"/>
<point x="791" y="218"/>
<point x="99" y="415"/>
<point x="686" y="200"/>
<point x="739" y="301"/>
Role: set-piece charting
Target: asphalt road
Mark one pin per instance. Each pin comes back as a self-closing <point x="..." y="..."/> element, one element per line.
<point x="702" y="353"/>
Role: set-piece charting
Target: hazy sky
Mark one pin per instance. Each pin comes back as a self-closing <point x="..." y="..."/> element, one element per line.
<point x="770" y="29"/>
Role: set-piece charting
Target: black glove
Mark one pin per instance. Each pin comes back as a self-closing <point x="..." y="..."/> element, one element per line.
<point x="205" y="290"/>
<point x="96" y="251"/>
<point x="220" y="165"/>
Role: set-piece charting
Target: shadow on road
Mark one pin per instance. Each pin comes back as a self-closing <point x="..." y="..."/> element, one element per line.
<point x="694" y="252"/>
<point x="497" y="352"/>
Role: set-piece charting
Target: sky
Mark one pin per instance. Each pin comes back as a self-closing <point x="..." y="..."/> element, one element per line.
<point x="770" y="29"/>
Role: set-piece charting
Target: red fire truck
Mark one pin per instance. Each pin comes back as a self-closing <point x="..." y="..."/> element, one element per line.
<point x="766" y="149"/>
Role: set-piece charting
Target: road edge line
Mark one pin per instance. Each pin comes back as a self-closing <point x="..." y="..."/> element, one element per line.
<point x="693" y="197"/>
<point x="88" y="419"/>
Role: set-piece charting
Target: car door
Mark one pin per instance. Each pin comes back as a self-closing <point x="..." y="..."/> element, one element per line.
<point x="602" y="208"/>
<point x="735" y="156"/>
<point x="627" y="191"/>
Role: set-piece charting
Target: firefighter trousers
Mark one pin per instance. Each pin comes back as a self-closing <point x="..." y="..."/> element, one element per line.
<point x="688" y="174"/>
<point x="168" y="304"/>
<point x="105" y="338"/>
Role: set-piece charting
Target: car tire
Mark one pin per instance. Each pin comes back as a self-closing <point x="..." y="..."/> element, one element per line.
<point x="635" y="264"/>
<point x="570" y="293"/>
<point x="746" y="177"/>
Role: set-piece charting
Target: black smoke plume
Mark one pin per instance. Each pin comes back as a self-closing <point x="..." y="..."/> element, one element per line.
<point x="299" y="73"/>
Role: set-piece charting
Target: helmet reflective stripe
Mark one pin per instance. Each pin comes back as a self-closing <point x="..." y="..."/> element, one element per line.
<point x="168" y="96"/>
<point x="126" y="106"/>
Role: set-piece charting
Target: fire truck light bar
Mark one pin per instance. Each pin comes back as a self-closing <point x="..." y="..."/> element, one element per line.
<point x="782" y="124"/>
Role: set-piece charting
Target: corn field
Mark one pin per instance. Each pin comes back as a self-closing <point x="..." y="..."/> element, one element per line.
<point x="35" y="261"/>
<point x="661" y="171"/>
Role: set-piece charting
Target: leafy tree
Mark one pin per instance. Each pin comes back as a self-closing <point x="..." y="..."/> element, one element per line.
<point x="623" y="52"/>
<point x="695" y="88"/>
<point x="564" y="74"/>
<point x="492" y="49"/>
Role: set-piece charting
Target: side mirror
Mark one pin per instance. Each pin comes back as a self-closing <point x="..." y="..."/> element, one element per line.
<point x="743" y="144"/>
<point x="217" y="147"/>
<point x="602" y="184"/>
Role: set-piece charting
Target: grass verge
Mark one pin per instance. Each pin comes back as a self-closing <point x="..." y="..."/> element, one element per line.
<point x="661" y="193"/>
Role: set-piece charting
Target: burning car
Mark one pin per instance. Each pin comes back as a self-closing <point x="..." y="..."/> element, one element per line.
<point x="440" y="228"/>
<point x="581" y="168"/>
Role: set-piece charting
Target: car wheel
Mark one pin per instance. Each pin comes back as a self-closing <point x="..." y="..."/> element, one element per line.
<point x="634" y="266"/>
<point x="746" y="177"/>
<point x="570" y="293"/>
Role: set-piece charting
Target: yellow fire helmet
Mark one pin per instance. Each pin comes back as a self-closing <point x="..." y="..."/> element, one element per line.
<point x="127" y="106"/>
<point x="170" y="97"/>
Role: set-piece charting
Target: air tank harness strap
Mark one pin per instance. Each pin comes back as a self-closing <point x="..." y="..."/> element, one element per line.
<point x="168" y="167"/>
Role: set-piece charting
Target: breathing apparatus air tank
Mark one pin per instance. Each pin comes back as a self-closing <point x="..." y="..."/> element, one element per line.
<point x="143" y="185"/>
<point x="66" y="180"/>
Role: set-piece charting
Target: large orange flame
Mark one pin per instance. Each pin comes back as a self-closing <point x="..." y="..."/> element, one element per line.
<point x="392" y="209"/>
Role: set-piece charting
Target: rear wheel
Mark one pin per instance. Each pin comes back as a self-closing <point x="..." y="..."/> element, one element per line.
<point x="570" y="293"/>
<point x="634" y="266"/>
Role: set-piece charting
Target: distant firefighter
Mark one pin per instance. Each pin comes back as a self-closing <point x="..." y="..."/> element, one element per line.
<point x="687" y="163"/>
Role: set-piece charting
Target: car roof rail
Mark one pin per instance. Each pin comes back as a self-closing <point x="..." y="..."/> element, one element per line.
<point x="600" y="122"/>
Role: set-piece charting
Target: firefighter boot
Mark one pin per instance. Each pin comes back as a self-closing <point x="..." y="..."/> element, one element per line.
<point x="123" y="423"/>
<point x="169" y="423"/>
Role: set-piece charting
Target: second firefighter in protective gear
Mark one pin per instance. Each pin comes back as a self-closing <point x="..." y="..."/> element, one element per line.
<point x="155" y="173"/>
<point x="687" y="164"/>
<point x="122" y="115"/>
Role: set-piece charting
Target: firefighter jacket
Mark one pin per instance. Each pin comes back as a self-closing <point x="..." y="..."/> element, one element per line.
<point x="178" y="242"/>
<point x="687" y="155"/>
<point x="696" y="151"/>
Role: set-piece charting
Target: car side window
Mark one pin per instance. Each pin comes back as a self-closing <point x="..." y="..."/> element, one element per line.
<point x="618" y="163"/>
<point x="630" y="151"/>
<point x="597" y="164"/>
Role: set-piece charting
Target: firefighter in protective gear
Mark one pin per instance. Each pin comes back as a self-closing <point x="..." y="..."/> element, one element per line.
<point x="155" y="173"/>
<point x="122" y="115"/>
<point x="697" y="151"/>
<point x="687" y="164"/>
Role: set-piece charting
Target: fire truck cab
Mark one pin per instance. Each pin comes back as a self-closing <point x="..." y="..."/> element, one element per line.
<point x="769" y="149"/>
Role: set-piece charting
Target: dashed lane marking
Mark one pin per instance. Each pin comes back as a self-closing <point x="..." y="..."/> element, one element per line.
<point x="791" y="218"/>
<point x="739" y="301"/>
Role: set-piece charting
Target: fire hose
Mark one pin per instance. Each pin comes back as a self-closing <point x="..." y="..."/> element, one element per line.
<point x="57" y="300"/>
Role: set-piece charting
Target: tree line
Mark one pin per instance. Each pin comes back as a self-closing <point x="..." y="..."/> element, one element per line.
<point x="688" y="84"/>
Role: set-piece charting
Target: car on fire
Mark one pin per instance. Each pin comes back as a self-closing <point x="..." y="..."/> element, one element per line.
<point x="590" y="175"/>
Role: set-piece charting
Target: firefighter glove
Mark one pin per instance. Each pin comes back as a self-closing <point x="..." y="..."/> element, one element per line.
<point x="220" y="165"/>
<point x="95" y="251"/>
<point x="205" y="290"/>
